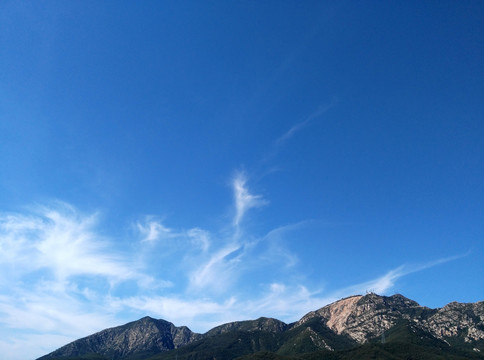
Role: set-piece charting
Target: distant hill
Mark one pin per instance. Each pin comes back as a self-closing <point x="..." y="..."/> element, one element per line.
<point x="357" y="327"/>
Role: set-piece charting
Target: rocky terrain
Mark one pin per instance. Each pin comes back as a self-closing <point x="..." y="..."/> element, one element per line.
<point x="357" y="326"/>
<point x="261" y="324"/>
<point x="366" y="317"/>
<point x="457" y="320"/>
<point x="145" y="336"/>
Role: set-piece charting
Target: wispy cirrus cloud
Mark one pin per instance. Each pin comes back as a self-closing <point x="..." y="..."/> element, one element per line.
<point x="31" y="345"/>
<point x="244" y="200"/>
<point x="58" y="270"/>
<point x="200" y="238"/>
<point x="217" y="272"/>
<point x="281" y="141"/>
<point x="276" y="249"/>
<point x="218" y="269"/>
<point x="153" y="230"/>
<point x="199" y="313"/>
<point x="386" y="282"/>
<point x="62" y="242"/>
<point x="30" y="316"/>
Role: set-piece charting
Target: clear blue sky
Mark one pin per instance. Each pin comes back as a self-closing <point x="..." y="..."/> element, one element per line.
<point x="211" y="161"/>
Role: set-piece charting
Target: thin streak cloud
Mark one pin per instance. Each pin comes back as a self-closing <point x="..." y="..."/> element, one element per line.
<point x="386" y="282"/>
<point x="217" y="272"/>
<point x="281" y="141"/>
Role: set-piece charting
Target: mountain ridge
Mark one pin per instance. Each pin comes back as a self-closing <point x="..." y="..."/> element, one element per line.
<point x="358" y="321"/>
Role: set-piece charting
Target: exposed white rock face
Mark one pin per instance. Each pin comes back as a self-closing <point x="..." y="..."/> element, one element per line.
<point x="318" y="340"/>
<point x="456" y="319"/>
<point x="361" y="317"/>
<point x="364" y="317"/>
<point x="335" y="314"/>
<point x="339" y="313"/>
<point x="375" y="314"/>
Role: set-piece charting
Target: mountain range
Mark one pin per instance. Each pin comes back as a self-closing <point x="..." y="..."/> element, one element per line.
<point x="356" y="327"/>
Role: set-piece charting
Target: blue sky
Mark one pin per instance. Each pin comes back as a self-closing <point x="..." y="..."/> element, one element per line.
<point x="205" y="162"/>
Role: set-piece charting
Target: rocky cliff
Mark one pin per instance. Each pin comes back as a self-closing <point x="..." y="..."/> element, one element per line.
<point x="366" y="317"/>
<point x="457" y="321"/>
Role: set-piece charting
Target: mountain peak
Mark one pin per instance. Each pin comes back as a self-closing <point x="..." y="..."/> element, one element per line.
<point x="335" y="314"/>
<point x="260" y="324"/>
<point x="363" y="316"/>
<point x="146" y="335"/>
<point x="396" y="299"/>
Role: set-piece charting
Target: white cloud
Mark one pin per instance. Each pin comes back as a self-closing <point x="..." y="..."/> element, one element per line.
<point x="30" y="345"/>
<point x="43" y="319"/>
<point x="153" y="230"/>
<point x="57" y="271"/>
<point x="285" y="302"/>
<point x="385" y="283"/>
<point x="49" y="313"/>
<point x="380" y="285"/>
<point x="217" y="272"/>
<point x="200" y="314"/>
<point x="200" y="238"/>
<point x="61" y="241"/>
<point x="244" y="200"/>
<point x="276" y="250"/>
<point x="281" y="140"/>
